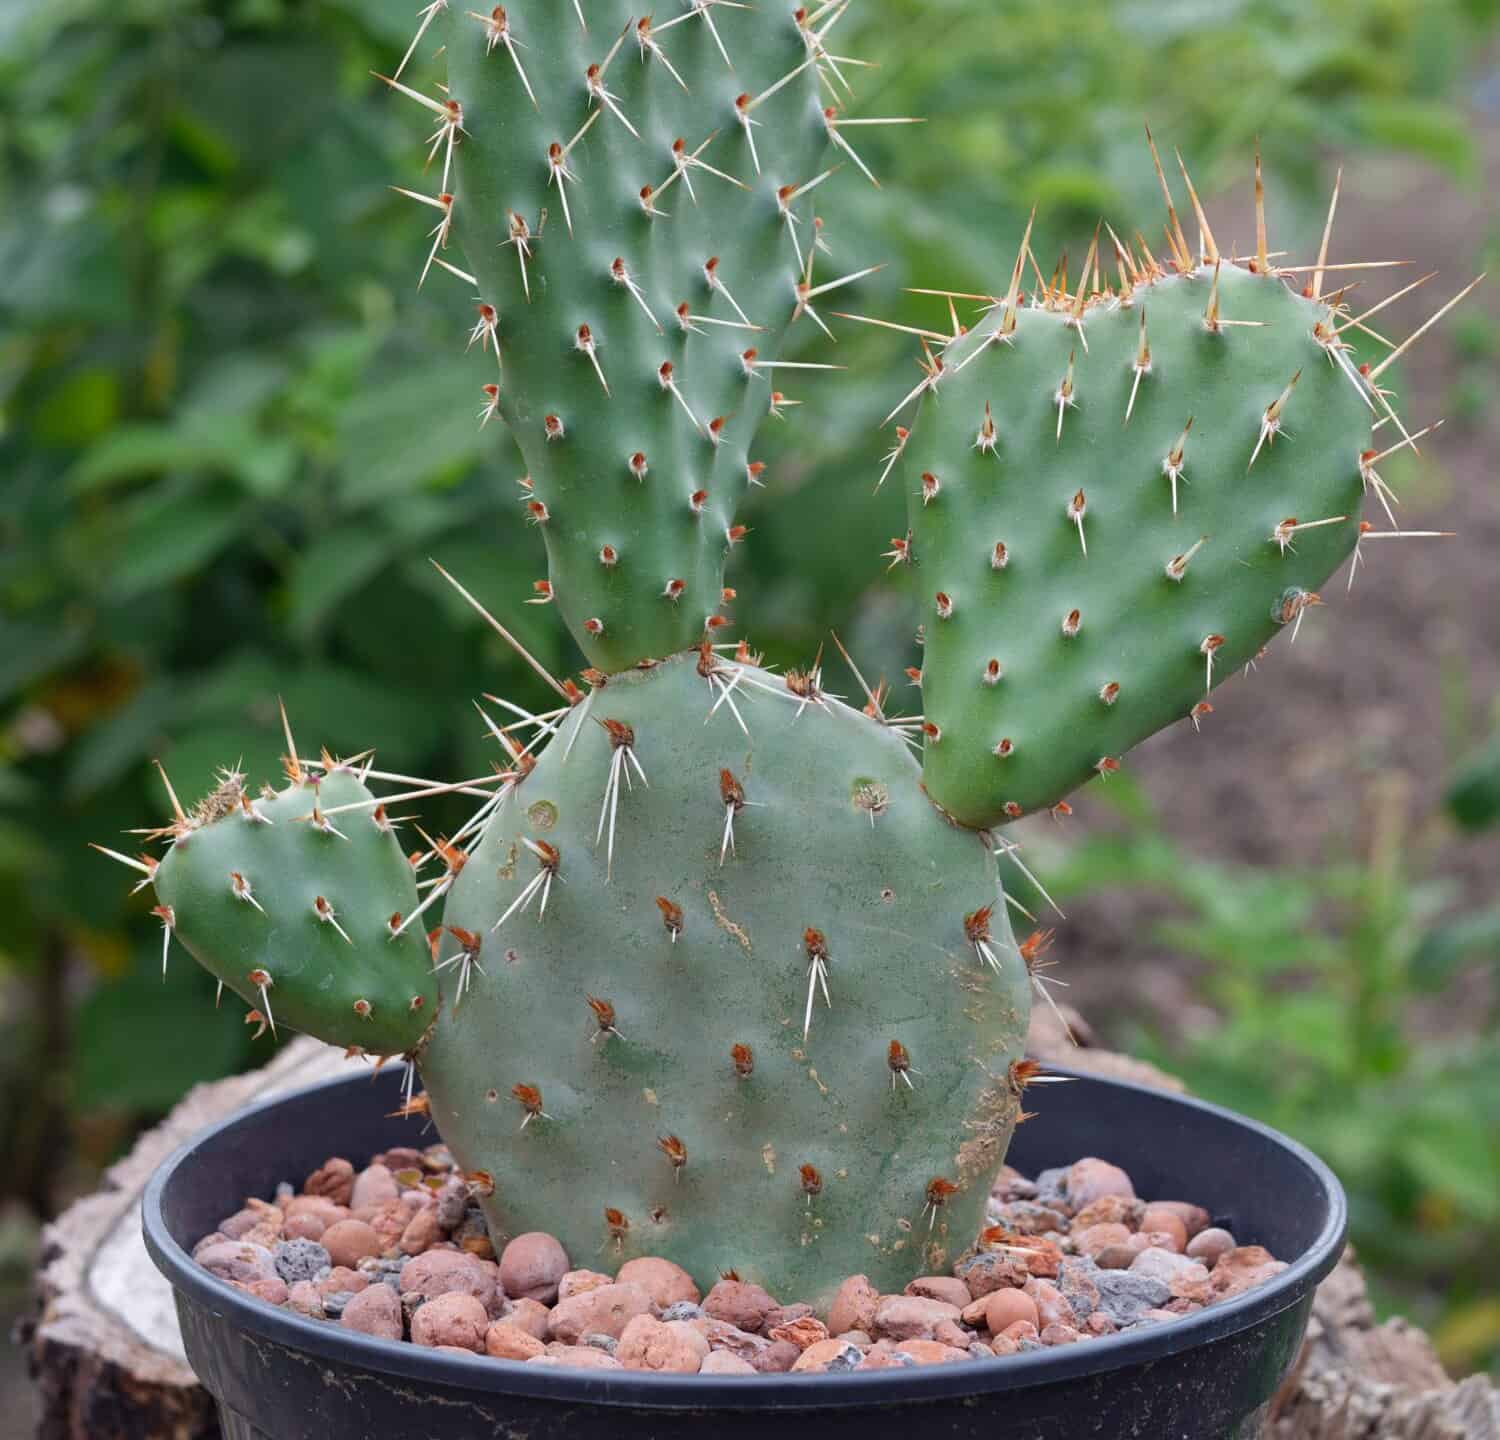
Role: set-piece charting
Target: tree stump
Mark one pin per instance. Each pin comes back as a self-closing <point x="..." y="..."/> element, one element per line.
<point x="103" y="1343"/>
<point x="107" y="1358"/>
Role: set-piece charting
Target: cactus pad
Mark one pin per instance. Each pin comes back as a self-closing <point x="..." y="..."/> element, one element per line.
<point x="629" y="208"/>
<point x="289" y="900"/>
<point x="641" y="1048"/>
<point x="1113" y="507"/>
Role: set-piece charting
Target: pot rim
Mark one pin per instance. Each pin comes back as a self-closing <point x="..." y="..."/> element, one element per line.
<point x="640" y="1389"/>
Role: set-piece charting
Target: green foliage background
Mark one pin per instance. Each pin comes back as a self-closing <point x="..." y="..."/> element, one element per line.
<point x="231" y="431"/>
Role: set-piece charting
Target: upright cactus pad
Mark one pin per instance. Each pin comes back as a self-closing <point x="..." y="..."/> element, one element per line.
<point x="296" y="901"/>
<point x="1116" y="498"/>
<point x="633" y="199"/>
<point x="774" y="955"/>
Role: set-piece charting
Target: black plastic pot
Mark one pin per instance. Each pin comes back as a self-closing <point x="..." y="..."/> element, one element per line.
<point x="278" y="1376"/>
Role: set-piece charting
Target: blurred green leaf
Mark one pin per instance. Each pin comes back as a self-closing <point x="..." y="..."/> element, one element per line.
<point x="1473" y="796"/>
<point x="1448" y="947"/>
<point x="1432" y="130"/>
<point x="230" y="447"/>
<point x="173" y="533"/>
<point x="141" y="1042"/>
<point x="400" y="432"/>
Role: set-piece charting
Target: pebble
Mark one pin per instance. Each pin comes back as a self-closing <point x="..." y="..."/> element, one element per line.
<point x="1242" y="1268"/>
<point x="374" y="1185"/>
<point x="451" y="1204"/>
<point x="375" y="1311"/>
<point x="725" y="1362"/>
<point x="596" y="1341"/>
<point x="1052" y="1186"/>
<point x="314" y="1206"/>
<point x="647" y="1343"/>
<point x="299" y="1260"/>
<point x="505" y="1341"/>
<point x="1004" y="1307"/>
<point x="804" y="1332"/>
<point x="1012" y="1185"/>
<point x="1194" y="1217"/>
<point x="883" y="1355"/>
<point x="663" y="1281"/>
<point x="1091" y="1178"/>
<point x="578" y="1357"/>
<point x="451" y="1319"/>
<point x="349" y="1241"/>
<point x="239" y="1261"/>
<point x="575" y="1282"/>
<point x="1159" y="1220"/>
<point x="829" y="1357"/>
<point x="947" y="1288"/>
<point x="609" y="1309"/>
<point x="908" y="1317"/>
<point x="1110" y="1210"/>
<point x="1059" y="1335"/>
<point x="306" y="1299"/>
<point x="950" y="1332"/>
<point x="1076" y="1281"/>
<point x="854" y="1305"/>
<point x="930" y="1352"/>
<point x="399" y="1157"/>
<point x="530" y="1316"/>
<point x="473" y="1234"/>
<point x="238" y="1225"/>
<point x="1029" y="1217"/>
<point x="786" y="1314"/>
<point x="1125" y="1296"/>
<point x="422" y="1231"/>
<point x="746" y="1306"/>
<point x="1099" y="1237"/>
<point x="1208" y="1246"/>
<point x="682" y="1310"/>
<point x="1121" y="1257"/>
<point x="990" y="1271"/>
<point x="273" y="1291"/>
<point x="532" y="1266"/>
<point x="1051" y="1306"/>
<point x="777" y="1358"/>
<point x="1185" y="1278"/>
<point x="304" y="1226"/>
<point x="444" y="1272"/>
<point x="387" y="1221"/>
<point x="723" y="1336"/>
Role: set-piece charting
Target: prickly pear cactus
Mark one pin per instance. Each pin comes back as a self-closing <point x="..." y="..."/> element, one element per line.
<point x="773" y="997"/>
<point x="633" y="202"/>
<point x="718" y="972"/>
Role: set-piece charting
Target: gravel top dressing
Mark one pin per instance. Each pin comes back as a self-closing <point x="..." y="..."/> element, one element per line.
<point x="401" y="1251"/>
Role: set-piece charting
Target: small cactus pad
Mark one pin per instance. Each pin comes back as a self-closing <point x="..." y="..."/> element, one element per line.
<point x="774" y="955"/>
<point x="628" y="203"/>
<point x="291" y="900"/>
<point x="1113" y="506"/>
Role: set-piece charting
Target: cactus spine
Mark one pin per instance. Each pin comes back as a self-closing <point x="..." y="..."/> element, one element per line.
<point x="719" y="972"/>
